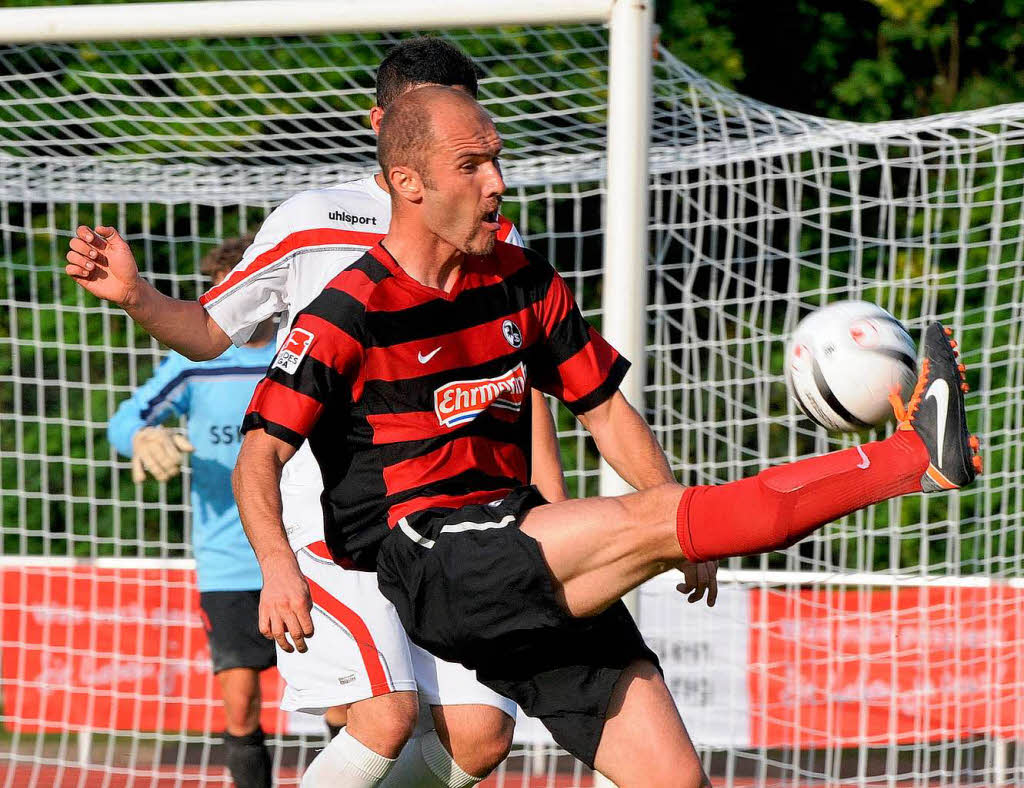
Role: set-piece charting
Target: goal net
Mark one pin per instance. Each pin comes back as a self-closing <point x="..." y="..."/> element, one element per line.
<point x="887" y="649"/>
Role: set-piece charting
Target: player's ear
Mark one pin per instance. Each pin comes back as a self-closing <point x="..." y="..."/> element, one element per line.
<point x="406" y="182"/>
<point x="376" y="117"/>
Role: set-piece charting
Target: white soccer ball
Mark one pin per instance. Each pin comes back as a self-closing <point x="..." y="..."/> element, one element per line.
<point x="843" y="360"/>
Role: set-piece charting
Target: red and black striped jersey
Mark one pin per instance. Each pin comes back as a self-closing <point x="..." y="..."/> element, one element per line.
<point x="413" y="398"/>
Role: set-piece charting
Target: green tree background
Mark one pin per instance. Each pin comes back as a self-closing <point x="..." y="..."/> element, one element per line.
<point x="869" y="60"/>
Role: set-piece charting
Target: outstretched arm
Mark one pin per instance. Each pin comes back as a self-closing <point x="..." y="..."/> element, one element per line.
<point x="285" y="603"/>
<point x="627" y="443"/>
<point x="101" y="261"/>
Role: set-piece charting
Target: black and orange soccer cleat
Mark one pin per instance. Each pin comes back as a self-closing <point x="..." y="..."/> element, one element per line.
<point x="936" y="413"/>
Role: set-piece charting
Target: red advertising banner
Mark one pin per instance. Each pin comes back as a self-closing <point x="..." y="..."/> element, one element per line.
<point x="116" y="649"/>
<point x="834" y="667"/>
<point x="124" y="649"/>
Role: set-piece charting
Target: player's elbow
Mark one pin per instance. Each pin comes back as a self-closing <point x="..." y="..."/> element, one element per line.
<point x="203" y="353"/>
<point x="206" y="350"/>
<point x="208" y="345"/>
<point x="602" y="418"/>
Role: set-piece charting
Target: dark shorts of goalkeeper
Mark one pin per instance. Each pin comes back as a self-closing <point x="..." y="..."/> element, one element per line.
<point x="232" y="623"/>
<point x="471" y="587"/>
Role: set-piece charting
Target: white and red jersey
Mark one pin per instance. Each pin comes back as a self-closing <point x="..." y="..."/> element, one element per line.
<point x="303" y="244"/>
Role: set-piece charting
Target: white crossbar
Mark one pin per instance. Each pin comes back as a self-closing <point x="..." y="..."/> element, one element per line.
<point x="37" y="24"/>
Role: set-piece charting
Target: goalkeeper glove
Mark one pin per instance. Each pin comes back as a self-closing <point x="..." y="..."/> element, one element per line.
<point x="159" y="451"/>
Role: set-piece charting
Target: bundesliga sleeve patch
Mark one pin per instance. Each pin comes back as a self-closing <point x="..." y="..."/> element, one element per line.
<point x="293" y="350"/>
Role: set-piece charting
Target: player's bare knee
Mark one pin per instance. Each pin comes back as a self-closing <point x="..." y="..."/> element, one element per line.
<point x="653" y="505"/>
<point x="481" y="751"/>
<point x="665" y="501"/>
<point x="647" y="523"/>
<point x="478" y="738"/>
<point x="241" y="712"/>
<point x="384" y="723"/>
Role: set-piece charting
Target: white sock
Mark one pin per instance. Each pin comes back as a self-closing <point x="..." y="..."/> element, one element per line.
<point x="425" y="763"/>
<point x="346" y="763"/>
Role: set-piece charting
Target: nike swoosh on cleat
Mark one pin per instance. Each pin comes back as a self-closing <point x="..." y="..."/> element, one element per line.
<point x="424" y="358"/>
<point x="939" y="391"/>
<point x="867" y="462"/>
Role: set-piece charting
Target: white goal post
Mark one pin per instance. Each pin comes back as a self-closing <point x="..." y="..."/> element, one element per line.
<point x="694" y="225"/>
<point x="629" y="76"/>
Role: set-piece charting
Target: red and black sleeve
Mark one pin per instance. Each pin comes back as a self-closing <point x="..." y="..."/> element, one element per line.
<point x="315" y="369"/>
<point x="577" y="365"/>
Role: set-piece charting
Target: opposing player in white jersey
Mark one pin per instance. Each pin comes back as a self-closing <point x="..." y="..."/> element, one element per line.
<point x="360" y="656"/>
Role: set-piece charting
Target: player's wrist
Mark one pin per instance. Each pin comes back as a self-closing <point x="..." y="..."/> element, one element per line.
<point x="136" y="298"/>
<point x="276" y="559"/>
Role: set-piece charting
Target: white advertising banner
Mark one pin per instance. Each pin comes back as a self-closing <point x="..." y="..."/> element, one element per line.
<point x="705" y="655"/>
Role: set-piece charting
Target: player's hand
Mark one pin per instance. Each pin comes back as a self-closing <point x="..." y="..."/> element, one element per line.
<point x="101" y="262"/>
<point x="285" y="604"/>
<point x="160" y="451"/>
<point x="698" y="578"/>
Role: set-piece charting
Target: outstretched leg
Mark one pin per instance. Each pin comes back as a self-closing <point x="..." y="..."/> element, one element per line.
<point x="599" y="549"/>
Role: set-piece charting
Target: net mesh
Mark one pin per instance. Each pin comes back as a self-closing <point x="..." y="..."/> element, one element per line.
<point x="886" y="649"/>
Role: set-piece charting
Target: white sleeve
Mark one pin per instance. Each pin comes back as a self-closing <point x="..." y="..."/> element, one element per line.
<point x="257" y="287"/>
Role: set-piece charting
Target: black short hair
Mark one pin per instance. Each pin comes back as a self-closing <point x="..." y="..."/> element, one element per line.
<point x="420" y="61"/>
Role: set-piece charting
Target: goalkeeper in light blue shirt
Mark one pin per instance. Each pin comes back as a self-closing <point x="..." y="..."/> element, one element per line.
<point x="213" y="396"/>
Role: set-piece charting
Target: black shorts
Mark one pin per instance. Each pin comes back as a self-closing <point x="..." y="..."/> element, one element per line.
<point x="473" y="588"/>
<point x="232" y="626"/>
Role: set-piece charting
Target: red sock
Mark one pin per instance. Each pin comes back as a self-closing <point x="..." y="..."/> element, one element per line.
<point x="782" y="505"/>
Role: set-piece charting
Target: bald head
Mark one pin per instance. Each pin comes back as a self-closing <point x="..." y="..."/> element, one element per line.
<point x="416" y="121"/>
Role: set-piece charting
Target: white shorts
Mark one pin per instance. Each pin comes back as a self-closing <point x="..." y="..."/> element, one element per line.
<point x="359" y="649"/>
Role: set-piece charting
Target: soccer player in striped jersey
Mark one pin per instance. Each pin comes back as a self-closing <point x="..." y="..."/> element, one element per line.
<point x="212" y="396"/>
<point x="425" y="472"/>
<point x="361" y="655"/>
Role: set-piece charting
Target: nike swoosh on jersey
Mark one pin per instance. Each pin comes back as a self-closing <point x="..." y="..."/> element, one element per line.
<point x="424" y="358"/>
<point x="867" y="462"/>
<point x="939" y="391"/>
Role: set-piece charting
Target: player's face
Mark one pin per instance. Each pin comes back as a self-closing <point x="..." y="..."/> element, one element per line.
<point x="462" y="193"/>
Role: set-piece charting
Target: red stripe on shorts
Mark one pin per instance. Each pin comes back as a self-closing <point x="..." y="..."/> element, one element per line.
<point x="349" y="619"/>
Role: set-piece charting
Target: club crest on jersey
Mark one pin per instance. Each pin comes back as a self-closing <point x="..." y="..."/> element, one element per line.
<point x="512" y="333"/>
<point x="293" y="350"/>
<point x="463" y="400"/>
